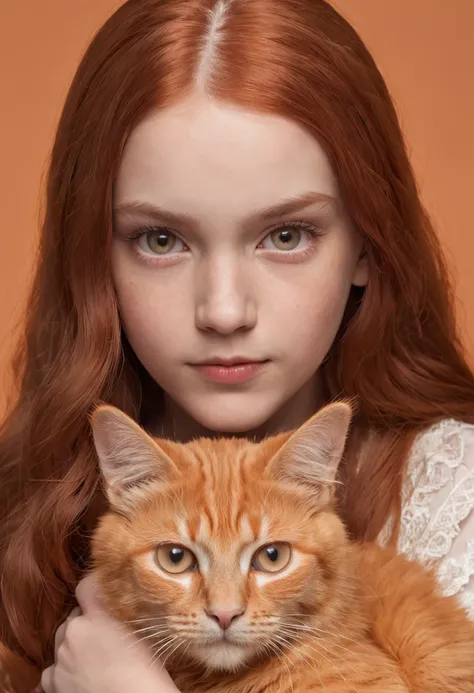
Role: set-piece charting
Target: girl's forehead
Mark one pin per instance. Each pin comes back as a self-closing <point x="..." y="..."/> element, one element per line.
<point x="213" y="160"/>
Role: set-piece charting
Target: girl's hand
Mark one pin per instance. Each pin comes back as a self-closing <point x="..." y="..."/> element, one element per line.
<point x="95" y="654"/>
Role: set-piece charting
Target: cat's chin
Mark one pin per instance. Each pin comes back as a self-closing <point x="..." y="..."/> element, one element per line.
<point x="223" y="656"/>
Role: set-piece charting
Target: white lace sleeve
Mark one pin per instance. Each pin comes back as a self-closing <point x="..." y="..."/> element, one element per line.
<point x="437" y="521"/>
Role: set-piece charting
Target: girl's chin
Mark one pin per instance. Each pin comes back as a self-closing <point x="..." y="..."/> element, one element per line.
<point x="237" y="421"/>
<point x="236" y="414"/>
<point x="225" y="426"/>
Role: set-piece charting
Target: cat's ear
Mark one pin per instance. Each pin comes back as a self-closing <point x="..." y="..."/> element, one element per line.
<point x="128" y="456"/>
<point x="311" y="456"/>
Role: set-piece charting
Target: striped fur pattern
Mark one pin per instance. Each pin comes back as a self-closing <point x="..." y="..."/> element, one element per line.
<point x="325" y="615"/>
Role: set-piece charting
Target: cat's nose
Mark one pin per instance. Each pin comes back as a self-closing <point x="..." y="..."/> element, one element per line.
<point x="224" y="617"/>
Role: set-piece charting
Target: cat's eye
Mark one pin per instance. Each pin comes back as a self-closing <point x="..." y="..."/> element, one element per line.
<point x="272" y="558"/>
<point x="175" y="559"/>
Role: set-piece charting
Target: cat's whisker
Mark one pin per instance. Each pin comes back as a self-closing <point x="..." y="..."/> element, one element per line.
<point x="295" y="652"/>
<point x="314" y="666"/>
<point x="163" y="650"/>
<point x="132" y="635"/>
<point x="283" y="657"/>
<point x="153" y="628"/>
<point x="295" y="627"/>
<point x="183" y="653"/>
<point x="163" y="643"/>
<point x="133" y="631"/>
<point x="321" y="631"/>
<point x="289" y="631"/>
<point x="150" y="636"/>
<point x="318" y="644"/>
<point x="310" y="661"/>
<point x="141" y="639"/>
<point x="146" y="619"/>
<point x="163" y="647"/>
<point x="317" y="641"/>
<point x="135" y="641"/>
<point x="291" y="646"/>
<point x="316" y="669"/>
<point x="332" y="663"/>
<point x="344" y="652"/>
<point x="170" y="654"/>
<point x="339" y="636"/>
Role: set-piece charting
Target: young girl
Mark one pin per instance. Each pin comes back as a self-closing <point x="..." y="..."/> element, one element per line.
<point x="233" y="237"/>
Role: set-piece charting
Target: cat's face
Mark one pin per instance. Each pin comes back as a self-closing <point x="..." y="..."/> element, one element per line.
<point x="218" y="549"/>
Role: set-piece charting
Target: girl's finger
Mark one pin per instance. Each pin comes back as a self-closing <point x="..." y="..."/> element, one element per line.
<point x="59" y="637"/>
<point x="87" y="595"/>
<point x="47" y="680"/>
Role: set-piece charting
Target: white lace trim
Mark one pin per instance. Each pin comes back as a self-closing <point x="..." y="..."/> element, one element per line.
<point x="437" y="500"/>
<point x="454" y="574"/>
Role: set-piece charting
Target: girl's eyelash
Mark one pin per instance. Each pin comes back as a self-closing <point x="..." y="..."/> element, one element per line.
<point x="302" y="225"/>
<point x="143" y="230"/>
<point x="298" y="224"/>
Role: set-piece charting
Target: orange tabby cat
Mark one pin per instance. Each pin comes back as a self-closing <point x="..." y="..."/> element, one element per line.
<point x="229" y="559"/>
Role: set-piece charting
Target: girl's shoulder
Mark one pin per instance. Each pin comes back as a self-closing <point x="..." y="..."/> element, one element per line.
<point x="437" y="515"/>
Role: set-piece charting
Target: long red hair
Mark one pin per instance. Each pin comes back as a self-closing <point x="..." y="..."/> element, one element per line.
<point x="397" y="352"/>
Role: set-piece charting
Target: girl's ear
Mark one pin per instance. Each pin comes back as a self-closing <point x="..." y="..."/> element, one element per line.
<point x="311" y="456"/>
<point x="128" y="456"/>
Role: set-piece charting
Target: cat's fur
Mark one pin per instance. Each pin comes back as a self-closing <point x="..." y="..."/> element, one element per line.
<point x="339" y="617"/>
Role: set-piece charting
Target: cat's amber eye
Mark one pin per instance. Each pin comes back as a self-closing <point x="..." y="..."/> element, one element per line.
<point x="175" y="559"/>
<point x="272" y="558"/>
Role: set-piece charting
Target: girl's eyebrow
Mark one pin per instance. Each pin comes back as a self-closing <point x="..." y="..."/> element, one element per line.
<point x="150" y="211"/>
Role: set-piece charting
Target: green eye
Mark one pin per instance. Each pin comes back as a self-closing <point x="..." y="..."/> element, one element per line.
<point x="272" y="558"/>
<point x="175" y="559"/>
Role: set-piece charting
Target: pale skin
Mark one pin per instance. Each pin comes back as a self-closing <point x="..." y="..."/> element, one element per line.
<point x="218" y="272"/>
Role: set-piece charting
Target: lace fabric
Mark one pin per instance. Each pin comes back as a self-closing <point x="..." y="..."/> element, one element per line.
<point x="437" y="518"/>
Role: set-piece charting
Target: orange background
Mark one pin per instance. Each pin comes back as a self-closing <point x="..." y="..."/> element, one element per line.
<point x="425" y="49"/>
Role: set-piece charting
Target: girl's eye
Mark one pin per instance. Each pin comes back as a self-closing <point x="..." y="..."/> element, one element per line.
<point x="160" y="242"/>
<point x="175" y="559"/>
<point x="287" y="238"/>
<point x="272" y="558"/>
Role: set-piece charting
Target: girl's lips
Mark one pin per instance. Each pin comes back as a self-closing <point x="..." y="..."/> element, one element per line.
<point x="231" y="374"/>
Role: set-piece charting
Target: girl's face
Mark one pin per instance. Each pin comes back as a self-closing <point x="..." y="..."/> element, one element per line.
<point x="231" y="246"/>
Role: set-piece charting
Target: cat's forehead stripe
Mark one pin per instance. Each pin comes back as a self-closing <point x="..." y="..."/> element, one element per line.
<point x="220" y="501"/>
<point x="204" y="529"/>
<point x="183" y="529"/>
<point x="264" y="527"/>
<point x="246" y="532"/>
<point x="222" y="488"/>
<point x="200" y="525"/>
